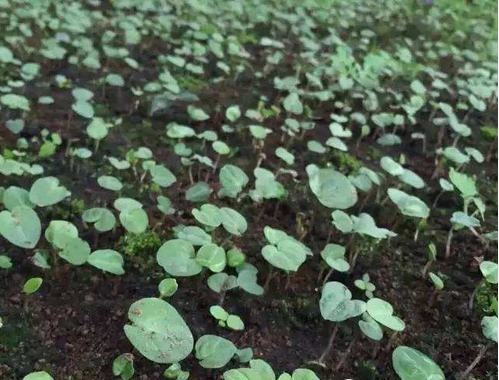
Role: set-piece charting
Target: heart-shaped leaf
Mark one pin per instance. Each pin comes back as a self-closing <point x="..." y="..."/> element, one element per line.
<point x="21" y="227"/>
<point x="382" y="312"/>
<point x="47" y="192"/>
<point x="212" y="256"/>
<point x="336" y="303"/>
<point x="213" y="351"/>
<point x="332" y="188"/>
<point x="178" y="258"/>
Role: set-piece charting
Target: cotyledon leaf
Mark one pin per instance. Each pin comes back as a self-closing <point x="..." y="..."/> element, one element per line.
<point x="158" y="331"/>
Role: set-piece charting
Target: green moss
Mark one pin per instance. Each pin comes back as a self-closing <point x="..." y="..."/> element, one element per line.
<point x="485" y="299"/>
<point x="191" y="83"/>
<point x="346" y="161"/>
<point x="144" y="245"/>
<point x="489" y="133"/>
<point x="77" y="206"/>
<point x="374" y="153"/>
<point x="12" y="334"/>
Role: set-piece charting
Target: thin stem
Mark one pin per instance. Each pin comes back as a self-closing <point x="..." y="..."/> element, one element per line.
<point x="354" y="259"/>
<point x="329" y="345"/>
<point x="269" y="277"/>
<point x="327" y="276"/>
<point x="437" y="199"/>
<point x="448" y="243"/>
<point x="480" y="237"/>
<point x="473" y="295"/>
<point x="345" y="355"/>
<point x="222" y="298"/>
<point x="426" y="267"/>
<point x="432" y="298"/>
<point x="416" y="234"/>
<point x="288" y="281"/>
<point x="479" y="357"/>
<point x="390" y="341"/>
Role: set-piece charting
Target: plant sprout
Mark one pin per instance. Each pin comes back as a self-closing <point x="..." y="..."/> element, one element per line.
<point x="123" y="366"/>
<point x="438" y="284"/>
<point x="489" y="330"/>
<point x="225" y="319"/>
<point x="336" y="305"/>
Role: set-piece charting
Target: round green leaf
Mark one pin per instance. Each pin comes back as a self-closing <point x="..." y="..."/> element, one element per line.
<point x="110" y="183"/>
<point x="489" y="271"/>
<point x="107" y="260"/>
<point x="233" y="221"/>
<point x="336" y="303"/>
<point x="213" y="351"/>
<point x="167" y="287"/>
<point x="47" y="192"/>
<point x="411" y="364"/>
<point x="21" y="227"/>
<point x="178" y="258"/>
<point x="158" y="331"/>
<point x="212" y="256"/>
<point x="134" y="220"/>
<point x="332" y="188"/>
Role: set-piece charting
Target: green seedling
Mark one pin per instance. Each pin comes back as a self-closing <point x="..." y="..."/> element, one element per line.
<point x="225" y="319"/>
<point x="123" y="366"/>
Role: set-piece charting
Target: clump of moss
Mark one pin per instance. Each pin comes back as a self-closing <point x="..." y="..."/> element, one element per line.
<point x="485" y="299"/>
<point x="192" y="83"/>
<point x="374" y="153"/>
<point x="346" y="161"/>
<point x="144" y="245"/>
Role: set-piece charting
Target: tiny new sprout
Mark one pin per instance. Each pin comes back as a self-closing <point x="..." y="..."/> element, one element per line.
<point x="432" y="256"/>
<point x="334" y="256"/>
<point x="175" y="372"/>
<point x="32" y="285"/>
<point x="225" y="319"/>
<point x="489" y="330"/>
<point x="366" y="285"/>
<point x="123" y="366"/>
<point x="167" y="287"/>
<point x="438" y="284"/>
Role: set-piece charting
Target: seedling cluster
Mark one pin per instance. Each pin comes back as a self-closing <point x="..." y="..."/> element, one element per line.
<point x="234" y="174"/>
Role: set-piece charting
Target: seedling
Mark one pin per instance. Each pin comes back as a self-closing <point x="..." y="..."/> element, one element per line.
<point x="432" y="256"/>
<point x="175" y="372"/>
<point x="489" y="330"/>
<point x="167" y="287"/>
<point x="283" y="252"/>
<point x="225" y="319"/>
<point x="366" y="285"/>
<point x="438" y="284"/>
<point x="336" y="305"/>
<point x="123" y="366"/>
